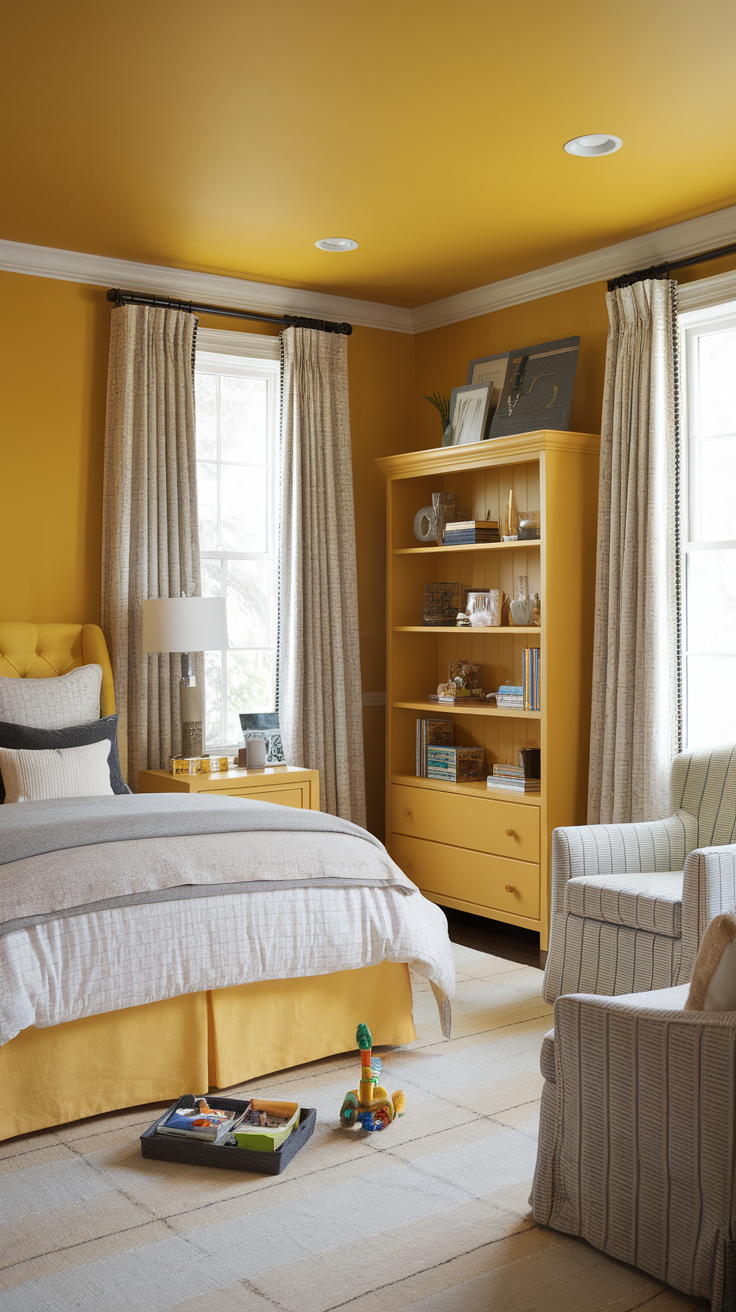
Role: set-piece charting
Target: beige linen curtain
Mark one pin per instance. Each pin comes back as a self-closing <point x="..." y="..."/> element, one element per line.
<point x="320" y="697"/>
<point x="635" y="711"/>
<point x="150" y="536"/>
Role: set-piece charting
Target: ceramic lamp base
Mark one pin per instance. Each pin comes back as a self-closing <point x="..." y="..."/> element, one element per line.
<point x="191" y="720"/>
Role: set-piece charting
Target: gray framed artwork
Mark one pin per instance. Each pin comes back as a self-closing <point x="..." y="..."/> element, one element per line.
<point x="537" y="389"/>
<point x="469" y="410"/>
<point x="489" y="369"/>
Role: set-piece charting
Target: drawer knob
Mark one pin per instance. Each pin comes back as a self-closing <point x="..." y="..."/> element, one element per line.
<point x="407" y="810"/>
<point x="406" y="864"/>
<point x="509" y="888"/>
<point x="510" y="832"/>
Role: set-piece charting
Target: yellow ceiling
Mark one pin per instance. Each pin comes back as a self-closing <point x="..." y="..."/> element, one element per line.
<point x="228" y="136"/>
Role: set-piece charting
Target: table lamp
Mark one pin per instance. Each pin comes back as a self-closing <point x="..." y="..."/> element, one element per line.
<point x="186" y="625"/>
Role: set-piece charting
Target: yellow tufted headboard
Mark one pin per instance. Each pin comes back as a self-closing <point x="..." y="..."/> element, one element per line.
<point x="41" y="651"/>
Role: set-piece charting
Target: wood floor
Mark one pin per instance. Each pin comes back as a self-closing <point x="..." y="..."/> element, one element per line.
<point x="496" y="938"/>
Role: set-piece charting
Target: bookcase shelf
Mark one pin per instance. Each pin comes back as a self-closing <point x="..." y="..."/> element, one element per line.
<point x="491" y="631"/>
<point x="524" y="545"/>
<point x="434" y="708"/>
<point x="465" y="845"/>
<point x="478" y="790"/>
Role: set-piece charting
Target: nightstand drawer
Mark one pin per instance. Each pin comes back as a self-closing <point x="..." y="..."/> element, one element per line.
<point x="480" y="823"/>
<point x="297" y="797"/>
<point x="467" y="876"/>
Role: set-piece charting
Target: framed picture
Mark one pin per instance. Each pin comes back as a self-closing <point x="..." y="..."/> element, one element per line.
<point x="489" y="369"/>
<point x="469" y="408"/>
<point x="537" y="389"/>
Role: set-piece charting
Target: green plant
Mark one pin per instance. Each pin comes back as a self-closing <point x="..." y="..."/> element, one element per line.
<point x="442" y="406"/>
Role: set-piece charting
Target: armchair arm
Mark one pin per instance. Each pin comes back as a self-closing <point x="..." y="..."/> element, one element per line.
<point x="644" y="1131"/>
<point x="709" y="887"/>
<point x="655" y="845"/>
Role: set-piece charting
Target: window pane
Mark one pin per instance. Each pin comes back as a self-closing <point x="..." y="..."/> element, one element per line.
<point x="711" y="700"/>
<point x="211" y="578"/>
<point x="717" y="369"/>
<point x="243" y="419"/>
<point x="251" y="686"/>
<point x="213" y="697"/>
<point x="249" y="603"/>
<point x="711" y="601"/>
<point x="244" y="509"/>
<point x="716" y="509"/>
<point x="205" y="392"/>
<point x="207" y="505"/>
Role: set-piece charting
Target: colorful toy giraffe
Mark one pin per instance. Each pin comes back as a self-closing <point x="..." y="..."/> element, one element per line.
<point x="370" y="1104"/>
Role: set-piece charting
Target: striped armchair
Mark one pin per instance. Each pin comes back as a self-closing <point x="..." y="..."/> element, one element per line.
<point x="630" y="903"/>
<point x="637" y="1136"/>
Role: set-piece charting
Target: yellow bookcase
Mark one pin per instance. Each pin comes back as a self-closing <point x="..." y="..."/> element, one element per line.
<point x="466" y="847"/>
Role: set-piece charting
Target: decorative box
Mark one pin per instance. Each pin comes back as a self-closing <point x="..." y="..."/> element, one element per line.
<point x="456" y="765"/>
<point x="441" y="604"/>
<point x="199" y="764"/>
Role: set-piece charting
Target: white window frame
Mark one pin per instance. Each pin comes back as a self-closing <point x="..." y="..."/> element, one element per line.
<point x="694" y="323"/>
<point x="245" y="355"/>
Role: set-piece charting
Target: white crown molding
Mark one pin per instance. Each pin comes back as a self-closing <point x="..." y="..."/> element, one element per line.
<point x="208" y="288"/>
<point x="681" y="239"/>
<point x="706" y="292"/>
<point x="705" y="233"/>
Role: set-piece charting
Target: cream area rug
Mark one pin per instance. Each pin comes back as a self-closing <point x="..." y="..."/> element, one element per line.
<point x="430" y="1214"/>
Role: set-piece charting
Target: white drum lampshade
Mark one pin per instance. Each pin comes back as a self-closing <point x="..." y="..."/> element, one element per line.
<point x="186" y="624"/>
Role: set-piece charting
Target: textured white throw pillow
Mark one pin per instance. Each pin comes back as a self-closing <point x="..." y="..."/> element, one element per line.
<point x="713" y="986"/>
<point x="58" y="703"/>
<point x="31" y="776"/>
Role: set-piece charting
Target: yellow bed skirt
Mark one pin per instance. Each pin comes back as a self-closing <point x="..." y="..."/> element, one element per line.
<point x="198" y="1041"/>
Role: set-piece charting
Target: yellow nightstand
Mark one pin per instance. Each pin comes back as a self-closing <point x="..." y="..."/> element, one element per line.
<point x="288" y="785"/>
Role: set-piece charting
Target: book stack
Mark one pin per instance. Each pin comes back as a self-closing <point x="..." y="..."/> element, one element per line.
<point x="522" y="778"/>
<point x="510" y="694"/>
<point x="530" y="678"/>
<point x="432" y="733"/>
<point x="471" y="531"/>
<point x="456" y="765"/>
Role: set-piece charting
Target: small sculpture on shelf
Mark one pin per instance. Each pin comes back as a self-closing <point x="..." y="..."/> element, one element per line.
<point x="463" y="620"/>
<point x="369" y="1105"/>
<point x="511" y="522"/>
<point x="463" y="682"/>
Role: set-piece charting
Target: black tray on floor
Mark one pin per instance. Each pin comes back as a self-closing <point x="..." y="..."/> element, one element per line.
<point x="197" y="1152"/>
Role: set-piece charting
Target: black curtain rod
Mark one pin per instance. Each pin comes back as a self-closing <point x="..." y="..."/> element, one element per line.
<point x="172" y="303"/>
<point x="664" y="270"/>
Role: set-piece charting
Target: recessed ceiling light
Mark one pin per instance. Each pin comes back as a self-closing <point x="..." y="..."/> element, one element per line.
<point x="336" y="244"/>
<point x="595" y="143"/>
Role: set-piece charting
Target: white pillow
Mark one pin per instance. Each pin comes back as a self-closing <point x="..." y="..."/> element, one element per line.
<point x="57" y="703"/>
<point x="713" y="986"/>
<point x="33" y="776"/>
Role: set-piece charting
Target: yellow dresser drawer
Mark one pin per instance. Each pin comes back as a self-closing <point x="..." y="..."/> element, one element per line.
<point x="456" y="872"/>
<point x="481" y="823"/>
<point x="297" y="797"/>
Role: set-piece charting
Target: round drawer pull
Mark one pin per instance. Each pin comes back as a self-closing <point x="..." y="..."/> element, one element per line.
<point x="406" y="865"/>
<point x="510" y="832"/>
<point x="509" y="888"/>
<point x="407" y="810"/>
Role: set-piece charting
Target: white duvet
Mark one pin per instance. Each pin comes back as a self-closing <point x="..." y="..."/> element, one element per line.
<point x="103" y="960"/>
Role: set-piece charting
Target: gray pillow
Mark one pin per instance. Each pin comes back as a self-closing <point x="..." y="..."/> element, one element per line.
<point x="77" y="735"/>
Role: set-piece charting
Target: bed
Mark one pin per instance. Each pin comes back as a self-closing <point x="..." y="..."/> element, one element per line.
<point x="82" y="1050"/>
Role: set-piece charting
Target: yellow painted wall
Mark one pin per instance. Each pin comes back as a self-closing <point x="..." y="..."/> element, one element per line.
<point x="442" y="355"/>
<point x="53" y="374"/>
<point x="54" y="339"/>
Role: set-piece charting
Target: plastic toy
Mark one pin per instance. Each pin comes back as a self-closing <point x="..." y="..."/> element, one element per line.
<point x="369" y="1105"/>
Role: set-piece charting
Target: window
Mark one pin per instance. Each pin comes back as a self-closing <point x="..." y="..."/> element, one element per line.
<point x="237" y="396"/>
<point x="709" y="524"/>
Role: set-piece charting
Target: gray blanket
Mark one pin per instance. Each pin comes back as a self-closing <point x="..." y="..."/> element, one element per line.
<point x="31" y="828"/>
<point x="69" y="857"/>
